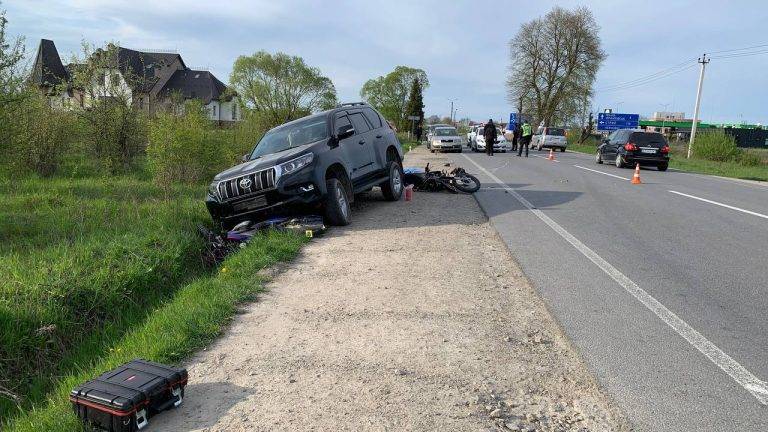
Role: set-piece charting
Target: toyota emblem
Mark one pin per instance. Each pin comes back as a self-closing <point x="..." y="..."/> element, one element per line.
<point x="245" y="183"/>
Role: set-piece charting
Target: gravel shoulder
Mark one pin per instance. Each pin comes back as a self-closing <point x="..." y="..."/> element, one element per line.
<point x="415" y="317"/>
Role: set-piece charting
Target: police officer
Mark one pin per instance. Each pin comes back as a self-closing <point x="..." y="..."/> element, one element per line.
<point x="489" y="133"/>
<point x="525" y="139"/>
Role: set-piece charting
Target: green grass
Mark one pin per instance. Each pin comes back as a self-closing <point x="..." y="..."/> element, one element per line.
<point x="188" y="320"/>
<point x="86" y="264"/>
<point x="678" y="160"/>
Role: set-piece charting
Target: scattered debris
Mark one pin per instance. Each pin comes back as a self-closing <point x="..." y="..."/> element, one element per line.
<point x="218" y="246"/>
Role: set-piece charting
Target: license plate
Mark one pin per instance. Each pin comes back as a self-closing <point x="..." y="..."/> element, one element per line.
<point x="651" y="151"/>
<point x="251" y="204"/>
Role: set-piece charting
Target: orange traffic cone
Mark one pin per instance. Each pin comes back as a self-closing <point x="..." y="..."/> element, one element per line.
<point x="551" y="155"/>
<point x="636" y="177"/>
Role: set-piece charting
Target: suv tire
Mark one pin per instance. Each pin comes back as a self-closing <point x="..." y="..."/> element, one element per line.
<point x="337" y="209"/>
<point x="662" y="167"/>
<point x="393" y="188"/>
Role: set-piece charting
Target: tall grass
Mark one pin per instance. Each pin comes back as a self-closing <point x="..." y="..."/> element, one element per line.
<point x="185" y="321"/>
<point x="82" y="258"/>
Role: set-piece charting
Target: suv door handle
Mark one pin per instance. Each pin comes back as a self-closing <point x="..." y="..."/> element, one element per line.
<point x="361" y="142"/>
<point x="379" y="136"/>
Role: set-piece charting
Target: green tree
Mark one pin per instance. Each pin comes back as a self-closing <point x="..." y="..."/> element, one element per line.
<point x="389" y="93"/>
<point x="415" y="107"/>
<point x="280" y="86"/>
<point x="11" y="55"/>
<point x="11" y="80"/>
<point x="554" y="61"/>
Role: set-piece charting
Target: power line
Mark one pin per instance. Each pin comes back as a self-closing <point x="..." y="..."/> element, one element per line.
<point x="739" y="49"/>
<point x="689" y="61"/>
<point x="744" y="54"/>
<point x="648" y="79"/>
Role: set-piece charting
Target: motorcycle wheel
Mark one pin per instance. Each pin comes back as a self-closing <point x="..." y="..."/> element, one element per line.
<point x="466" y="183"/>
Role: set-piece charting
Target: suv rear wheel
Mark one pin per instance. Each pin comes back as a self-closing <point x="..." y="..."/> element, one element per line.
<point x="662" y="167"/>
<point x="337" y="209"/>
<point x="393" y="188"/>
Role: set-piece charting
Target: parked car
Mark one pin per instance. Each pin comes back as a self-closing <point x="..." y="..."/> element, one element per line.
<point x="472" y="134"/>
<point x="627" y="147"/>
<point x="431" y="130"/>
<point x="445" y="138"/>
<point x="322" y="159"/>
<point x="501" y="145"/>
<point x="549" y="137"/>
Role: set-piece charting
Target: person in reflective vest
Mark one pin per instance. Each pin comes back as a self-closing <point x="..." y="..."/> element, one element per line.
<point x="525" y="139"/>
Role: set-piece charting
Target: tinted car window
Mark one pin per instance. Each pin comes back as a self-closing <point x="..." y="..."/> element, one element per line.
<point x="555" y="132"/>
<point x="358" y="121"/>
<point x="648" y="139"/>
<point x="372" y="117"/>
<point x="342" y="121"/>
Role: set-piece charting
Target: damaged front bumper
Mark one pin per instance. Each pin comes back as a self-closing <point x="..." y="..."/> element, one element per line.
<point x="298" y="189"/>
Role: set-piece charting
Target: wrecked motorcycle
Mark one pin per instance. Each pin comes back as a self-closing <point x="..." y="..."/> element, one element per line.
<point x="456" y="180"/>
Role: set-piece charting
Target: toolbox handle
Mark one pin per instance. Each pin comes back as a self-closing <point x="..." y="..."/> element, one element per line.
<point x="173" y="402"/>
<point x="141" y="419"/>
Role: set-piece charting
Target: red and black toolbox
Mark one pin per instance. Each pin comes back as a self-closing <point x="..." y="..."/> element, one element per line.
<point x="123" y="399"/>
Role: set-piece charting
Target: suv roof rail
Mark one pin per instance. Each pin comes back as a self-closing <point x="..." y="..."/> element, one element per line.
<point x="347" y="104"/>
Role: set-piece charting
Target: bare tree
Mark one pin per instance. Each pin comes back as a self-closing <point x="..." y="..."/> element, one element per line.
<point x="554" y="60"/>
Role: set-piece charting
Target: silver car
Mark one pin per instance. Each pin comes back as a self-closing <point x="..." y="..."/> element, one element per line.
<point x="550" y="137"/>
<point x="445" y="138"/>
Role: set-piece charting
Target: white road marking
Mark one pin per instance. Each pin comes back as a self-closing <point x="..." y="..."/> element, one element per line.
<point x="722" y="205"/>
<point x="751" y="383"/>
<point x="544" y="157"/>
<point x="600" y="172"/>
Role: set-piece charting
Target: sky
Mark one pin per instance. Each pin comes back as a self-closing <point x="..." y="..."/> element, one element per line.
<point x="462" y="45"/>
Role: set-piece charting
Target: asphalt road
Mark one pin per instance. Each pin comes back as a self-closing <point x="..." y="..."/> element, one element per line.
<point x="661" y="286"/>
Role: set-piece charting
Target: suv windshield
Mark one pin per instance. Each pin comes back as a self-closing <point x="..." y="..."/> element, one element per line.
<point x="292" y="135"/>
<point x="555" y="132"/>
<point x="445" y="132"/>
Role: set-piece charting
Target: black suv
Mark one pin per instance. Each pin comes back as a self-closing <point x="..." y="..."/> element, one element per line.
<point x="630" y="147"/>
<point x="323" y="158"/>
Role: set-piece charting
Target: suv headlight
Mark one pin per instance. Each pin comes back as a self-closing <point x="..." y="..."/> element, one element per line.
<point x="212" y="189"/>
<point x="294" y="165"/>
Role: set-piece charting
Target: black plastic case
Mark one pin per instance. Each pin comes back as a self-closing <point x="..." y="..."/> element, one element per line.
<point x="123" y="399"/>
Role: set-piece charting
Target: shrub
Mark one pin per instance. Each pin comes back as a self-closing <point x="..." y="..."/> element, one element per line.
<point x="748" y="158"/>
<point x="40" y="135"/>
<point x="181" y="147"/>
<point x="715" y="146"/>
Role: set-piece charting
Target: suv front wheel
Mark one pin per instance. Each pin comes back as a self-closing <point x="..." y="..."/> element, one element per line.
<point x="337" y="209"/>
<point x="393" y="188"/>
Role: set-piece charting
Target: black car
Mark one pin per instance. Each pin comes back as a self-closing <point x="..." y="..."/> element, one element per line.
<point x="322" y="159"/>
<point x="627" y="147"/>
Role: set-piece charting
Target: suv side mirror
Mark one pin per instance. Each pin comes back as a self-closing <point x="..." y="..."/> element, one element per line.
<point x="244" y="158"/>
<point x="345" y="132"/>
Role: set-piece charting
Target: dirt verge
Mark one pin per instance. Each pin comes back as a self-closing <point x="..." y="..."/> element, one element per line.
<point x="415" y="317"/>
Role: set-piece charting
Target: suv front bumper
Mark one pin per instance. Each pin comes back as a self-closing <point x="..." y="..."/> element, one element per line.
<point x="298" y="188"/>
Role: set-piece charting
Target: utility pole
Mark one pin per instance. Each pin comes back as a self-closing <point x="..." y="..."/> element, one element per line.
<point x="452" y="100"/>
<point x="703" y="61"/>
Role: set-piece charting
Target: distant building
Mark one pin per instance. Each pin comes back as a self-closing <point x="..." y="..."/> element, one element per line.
<point x="161" y="77"/>
<point x="668" y="116"/>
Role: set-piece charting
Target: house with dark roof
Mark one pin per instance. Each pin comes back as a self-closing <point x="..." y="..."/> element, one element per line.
<point x="151" y="81"/>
